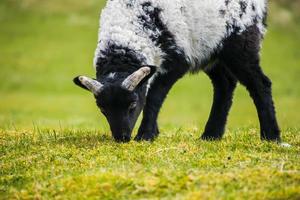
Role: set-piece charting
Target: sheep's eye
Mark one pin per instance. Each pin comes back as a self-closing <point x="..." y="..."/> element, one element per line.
<point x="132" y="106"/>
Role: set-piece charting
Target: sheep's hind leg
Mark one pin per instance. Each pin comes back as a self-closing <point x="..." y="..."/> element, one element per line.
<point x="241" y="55"/>
<point x="259" y="87"/>
<point x="224" y="84"/>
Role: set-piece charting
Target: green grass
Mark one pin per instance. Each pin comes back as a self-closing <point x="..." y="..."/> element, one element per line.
<point x="55" y="144"/>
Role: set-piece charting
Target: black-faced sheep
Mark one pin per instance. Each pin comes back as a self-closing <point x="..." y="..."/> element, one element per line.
<point x="145" y="46"/>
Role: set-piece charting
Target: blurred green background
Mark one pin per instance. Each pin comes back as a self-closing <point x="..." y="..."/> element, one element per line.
<point x="44" y="44"/>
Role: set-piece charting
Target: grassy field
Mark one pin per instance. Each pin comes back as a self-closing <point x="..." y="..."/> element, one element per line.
<point x="55" y="144"/>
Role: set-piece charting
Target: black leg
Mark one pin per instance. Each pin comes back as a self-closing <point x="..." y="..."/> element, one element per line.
<point x="155" y="98"/>
<point x="241" y="55"/>
<point x="259" y="87"/>
<point x="224" y="84"/>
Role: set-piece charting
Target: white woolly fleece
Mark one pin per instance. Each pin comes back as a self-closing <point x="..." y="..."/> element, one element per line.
<point x="197" y="25"/>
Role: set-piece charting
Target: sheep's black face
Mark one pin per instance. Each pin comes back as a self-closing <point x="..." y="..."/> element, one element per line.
<point x="121" y="109"/>
<point x="120" y="97"/>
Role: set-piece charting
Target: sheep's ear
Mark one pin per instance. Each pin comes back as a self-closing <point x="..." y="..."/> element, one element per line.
<point x="89" y="84"/>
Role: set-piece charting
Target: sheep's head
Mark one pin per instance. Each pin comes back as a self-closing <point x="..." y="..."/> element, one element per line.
<point x="120" y="98"/>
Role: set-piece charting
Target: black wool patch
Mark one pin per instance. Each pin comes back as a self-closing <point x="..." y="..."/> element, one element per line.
<point x="253" y="7"/>
<point x="227" y="2"/>
<point x="222" y="12"/>
<point x="162" y="37"/>
<point x="243" y="5"/>
<point x="118" y="58"/>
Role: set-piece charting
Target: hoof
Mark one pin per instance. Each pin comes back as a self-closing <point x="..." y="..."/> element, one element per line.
<point x="285" y="145"/>
<point x="210" y="138"/>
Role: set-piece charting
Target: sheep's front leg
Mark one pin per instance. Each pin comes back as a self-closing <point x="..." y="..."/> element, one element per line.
<point x="224" y="84"/>
<point x="157" y="93"/>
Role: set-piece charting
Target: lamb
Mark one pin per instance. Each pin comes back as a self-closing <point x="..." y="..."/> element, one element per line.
<point x="146" y="46"/>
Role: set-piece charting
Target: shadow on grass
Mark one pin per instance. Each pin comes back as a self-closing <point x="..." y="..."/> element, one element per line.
<point x="84" y="140"/>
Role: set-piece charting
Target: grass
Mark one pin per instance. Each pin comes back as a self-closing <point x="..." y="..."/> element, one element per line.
<point x="55" y="144"/>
